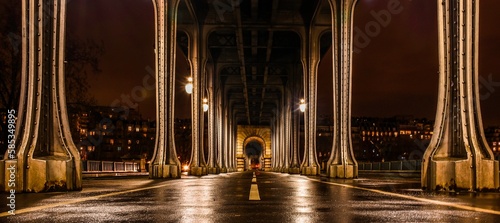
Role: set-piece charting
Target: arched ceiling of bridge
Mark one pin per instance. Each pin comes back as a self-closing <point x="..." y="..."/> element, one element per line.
<point x="255" y="47"/>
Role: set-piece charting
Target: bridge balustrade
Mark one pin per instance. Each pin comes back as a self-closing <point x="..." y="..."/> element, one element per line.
<point x="92" y="166"/>
<point x="403" y="165"/>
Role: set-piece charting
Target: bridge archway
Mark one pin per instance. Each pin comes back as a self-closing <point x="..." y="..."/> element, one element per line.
<point x="253" y="149"/>
<point x="253" y="142"/>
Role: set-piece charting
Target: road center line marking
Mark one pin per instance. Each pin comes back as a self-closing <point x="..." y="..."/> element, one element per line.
<point x="254" y="190"/>
<point x="73" y="201"/>
<point x="254" y="193"/>
<point x="442" y="203"/>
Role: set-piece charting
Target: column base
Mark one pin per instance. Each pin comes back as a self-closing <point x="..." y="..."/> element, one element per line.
<point x="213" y="170"/>
<point x="284" y="170"/>
<point x="223" y="170"/>
<point x="342" y="171"/>
<point x="43" y="175"/>
<point x="457" y="175"/>
<point x="198" y="171"/>
<point x="310" y="171"/>
<point x="165" y="171"/>
<point x="294" y="170"/>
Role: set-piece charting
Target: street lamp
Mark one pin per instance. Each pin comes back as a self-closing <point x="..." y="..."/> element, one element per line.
<point x="205" y="105"/>
<point x="189" y="85"/>
<point x="302" y="105"/>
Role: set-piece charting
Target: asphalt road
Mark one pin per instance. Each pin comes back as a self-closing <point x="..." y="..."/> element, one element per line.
<point x="274" y="197"/>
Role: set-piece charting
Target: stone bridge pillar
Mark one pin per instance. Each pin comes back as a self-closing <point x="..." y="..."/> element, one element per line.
<point x="212" y="165"/>
<point x="197" y="60"/>
<point x="342" y="163"/>
<point x="458" y="156"/>
<point x="310" y="60"/>
<point x="165" y="163"/>
<point x="45" y="157"/>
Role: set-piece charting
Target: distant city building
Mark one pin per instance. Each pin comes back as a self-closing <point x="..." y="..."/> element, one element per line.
<point x="111" y="133"/>
<point x="492" y="135"/>
<point x="379" y="139"/>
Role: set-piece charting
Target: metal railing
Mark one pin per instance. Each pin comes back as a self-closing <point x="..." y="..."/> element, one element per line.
<point x="403" y="165"/>
<point x="109" y="166"/>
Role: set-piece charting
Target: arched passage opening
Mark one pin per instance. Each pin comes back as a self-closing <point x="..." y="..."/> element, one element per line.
<point x="253" y="151"/>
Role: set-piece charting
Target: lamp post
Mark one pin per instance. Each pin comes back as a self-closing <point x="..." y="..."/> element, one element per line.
<point x="205" y="105"/>
<point x="189" y="85"/>
<point x="302" y="106"/>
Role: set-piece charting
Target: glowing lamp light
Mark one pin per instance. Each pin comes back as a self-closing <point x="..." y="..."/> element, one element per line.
<point x="205" y="105"/>
<point x="185" y="167"/>
<point x="302" y="105"/>
<point x="189" y="85"/>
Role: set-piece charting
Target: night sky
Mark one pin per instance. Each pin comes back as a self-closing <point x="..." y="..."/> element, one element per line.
<point x="395" y="74"/>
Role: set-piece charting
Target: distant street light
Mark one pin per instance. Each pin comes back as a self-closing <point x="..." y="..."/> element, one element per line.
<point x="302" y="105"/>
<point x="205" y="105"/>
<point x="189" y="85"/>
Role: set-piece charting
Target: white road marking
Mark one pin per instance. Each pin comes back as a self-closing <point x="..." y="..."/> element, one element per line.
<point x="254" y="193"/>
<point x="254" y="190"/>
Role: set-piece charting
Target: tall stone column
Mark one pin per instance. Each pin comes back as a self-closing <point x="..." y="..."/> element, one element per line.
<point x="310" y="60"/>
<point x="229" y="143"/>
<point x="197" y="60"/>
<point x="165" y="163"/>
<point x="213" y="167"/>
<point x="280" y="144"/>
<point x="45" y="157"/>
<point x="287" y="119"/>
<point x="273" y="144"/>
<point x="295" y="127"/>
<point x="342" y="163"/>
<point x="224" y="149"/>
<point x="458" y="156"/>
<point x="220" y="132"/>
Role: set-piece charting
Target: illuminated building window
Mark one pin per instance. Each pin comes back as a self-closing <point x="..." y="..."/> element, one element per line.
<point x="129" y="128"/>
<point x="128" y="147"/>
<point x="364" y="138"/>
<point x="494" y="149"/>
<point x="137" y="129"/>
<point x="137" y="141"/>
<point x="104" y="127"/>
<point x="92" y="133"/>
<point x="145" y="135"/>
<point x="112" y="141"/>
<point x="129" y="142"/>
<point x="119" y="148"/>
<point x="494" y="143"/>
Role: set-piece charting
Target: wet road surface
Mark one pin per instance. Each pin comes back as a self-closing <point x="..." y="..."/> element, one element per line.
<point x="274" y="197"/>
